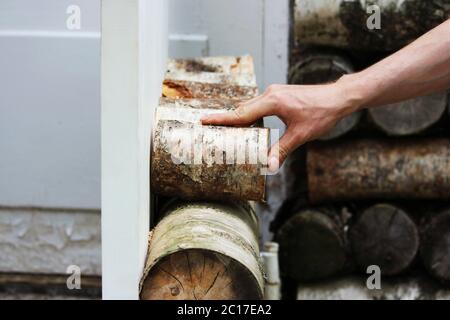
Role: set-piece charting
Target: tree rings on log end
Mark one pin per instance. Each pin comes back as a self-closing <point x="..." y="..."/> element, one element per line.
<point x="411" y="116"/>
<point x="199" y="275"/>
<point x="385" y="236"/>
<point x="312" y="246"/>
<point x="204" y="250"/>
<point x="435" y="246"/>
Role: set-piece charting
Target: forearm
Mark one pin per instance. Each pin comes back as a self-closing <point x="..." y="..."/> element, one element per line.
<point x="420" y="68"/>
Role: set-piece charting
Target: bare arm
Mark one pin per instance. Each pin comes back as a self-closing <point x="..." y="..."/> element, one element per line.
<point x="309" y="111"/>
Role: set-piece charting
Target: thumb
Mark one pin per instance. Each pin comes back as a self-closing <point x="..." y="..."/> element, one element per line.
<point x="281" y="149"/>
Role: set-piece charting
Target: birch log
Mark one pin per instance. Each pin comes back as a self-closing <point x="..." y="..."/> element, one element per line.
<point x="207" y="162"/>
<point x="312" y="246"/>
<point x="191" y="110"/>
<point x="353" y="23"/>
<point x="219" y="64"/>
<point x="411" y="116"/>
<point x="199" y="90"/>
<point x="384" y="235"/>
<point x="320" y="68"/>
<point x="435" y="245"/>
<point x="203" y="251"/>
<point x="229" y="70"/>
<point x="376" y="169"/>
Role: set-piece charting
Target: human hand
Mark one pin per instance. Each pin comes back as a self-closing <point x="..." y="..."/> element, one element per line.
<point x="308" y="111"/>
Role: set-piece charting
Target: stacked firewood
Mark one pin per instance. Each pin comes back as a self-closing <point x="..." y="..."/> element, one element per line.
<point x="374" y="190"/>
<point x="205" y="242"/>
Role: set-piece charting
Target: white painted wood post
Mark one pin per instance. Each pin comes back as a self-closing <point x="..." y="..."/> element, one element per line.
<point x="134" y="52"/>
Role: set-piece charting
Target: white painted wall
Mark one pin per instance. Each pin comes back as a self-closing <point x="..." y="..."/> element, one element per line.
<point x="49" y="105"/>
<point x="134" y="58"/>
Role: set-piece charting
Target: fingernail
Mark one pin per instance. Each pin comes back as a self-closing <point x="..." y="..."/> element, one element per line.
<point x="204" y="118"/>
<point x="273" y="164"/>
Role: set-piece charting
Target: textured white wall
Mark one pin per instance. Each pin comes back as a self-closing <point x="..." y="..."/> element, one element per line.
<point x="49" y="241"/>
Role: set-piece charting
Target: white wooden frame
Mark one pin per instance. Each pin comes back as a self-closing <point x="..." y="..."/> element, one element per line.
<point x="134" y="53"/>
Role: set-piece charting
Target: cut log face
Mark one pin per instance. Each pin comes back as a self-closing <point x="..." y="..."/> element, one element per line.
<point x="344" y="23"/>
<point x="321" y="68"/>
<point x="199" y="275"/>
<point x="312" y="246"/>
<point x="375" y="169"/>
<point x="197" y="90"/>
<point x="411" y="116"/>
<point x="435" y="246"/>
<point x="204" y="250"/>
<point x="385" y="236"/>
<point x="205" y="162"/>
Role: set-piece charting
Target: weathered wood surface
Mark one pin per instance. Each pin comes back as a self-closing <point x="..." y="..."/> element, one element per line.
<point x="435" y="245"/>
<point x="318" y="68"/>
<point x="368" y="169"/>
<point x="384" y="235"/>
<point x="343" y="23"/>
<point x="207" y="162"/>
<point x="204" y="250"/>
<point x="198" y="90"/>
<point x="411" y="116"/>
<point x="210" y="77"/>
<point x="312" y="246"/>
<point x="217" y="64"/>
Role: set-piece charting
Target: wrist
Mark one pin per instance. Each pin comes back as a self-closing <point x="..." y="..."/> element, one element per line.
<point x="354" y="92"/>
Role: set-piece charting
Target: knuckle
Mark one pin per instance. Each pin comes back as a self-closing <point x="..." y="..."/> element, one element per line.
<point x="283" y="152"/>
<point x="239" y="113"/>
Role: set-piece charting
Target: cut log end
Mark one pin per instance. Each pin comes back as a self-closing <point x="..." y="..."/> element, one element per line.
<point x="411" y="116"/>
<point x="199" y="275"/>
<point x="435" y="247"/>
<point x="311" y="246"/>
<point x="384" y="235"/>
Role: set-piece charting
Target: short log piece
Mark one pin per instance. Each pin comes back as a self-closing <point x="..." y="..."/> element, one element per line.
<point x="378" y="169"/>
<point x="435" y="245"/>
<point x="384" y="235"/>
<point x="411" y="116"/>
<point x="207" y="162"/>
<point x="347" y="23"/>
<point x="312" y="246"/>
<point x="203" y="251"/>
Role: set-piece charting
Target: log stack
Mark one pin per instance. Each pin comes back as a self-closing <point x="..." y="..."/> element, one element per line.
<point x="205" y="244"/>
<point x="387" y="168"/>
